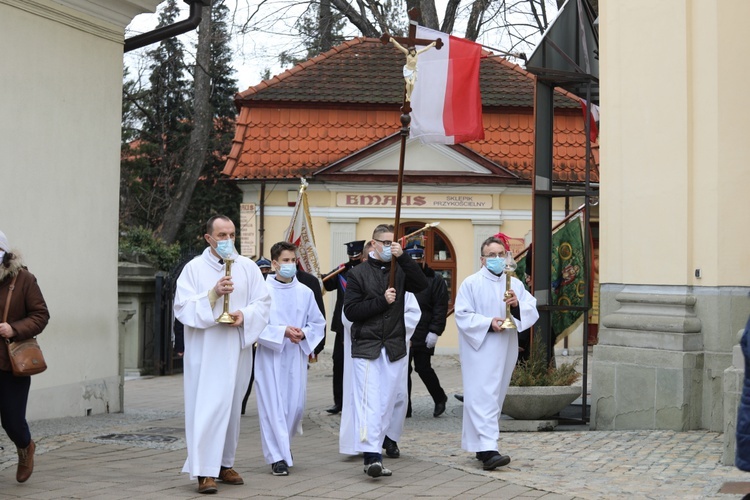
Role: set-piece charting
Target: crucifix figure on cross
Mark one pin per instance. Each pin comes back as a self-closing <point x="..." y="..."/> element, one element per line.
<point x="410" y="77"/>
<point x="410" y="68"/>
<point x="407" y="45"/>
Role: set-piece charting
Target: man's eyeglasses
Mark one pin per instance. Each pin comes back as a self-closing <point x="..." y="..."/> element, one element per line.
<point x="493" y="255"/>
<point x="385" y="243"/>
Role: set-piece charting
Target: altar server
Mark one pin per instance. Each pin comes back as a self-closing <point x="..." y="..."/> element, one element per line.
<point x="295" y="327"/>
<point x="488" y="351"/>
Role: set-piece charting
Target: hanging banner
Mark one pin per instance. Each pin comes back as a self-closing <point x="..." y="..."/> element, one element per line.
<point x="300" y="232"/>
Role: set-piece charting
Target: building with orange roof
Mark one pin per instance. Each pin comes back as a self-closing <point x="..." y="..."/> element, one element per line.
<point x="334" y="120"/>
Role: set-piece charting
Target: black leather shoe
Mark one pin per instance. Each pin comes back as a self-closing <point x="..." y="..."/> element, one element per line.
<point x="391" y="448"/>
<point x="493" y="460"/>
<point x="334" y="409"/>
<point x="460" y="397"/>
<point x="439" y="408"/>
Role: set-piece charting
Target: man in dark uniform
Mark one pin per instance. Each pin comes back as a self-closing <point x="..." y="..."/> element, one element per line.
<point x="313" y="283"/>
<point x="433" y="302"/>
<point x="265" y="268"/>
<point x="338" y="282"/>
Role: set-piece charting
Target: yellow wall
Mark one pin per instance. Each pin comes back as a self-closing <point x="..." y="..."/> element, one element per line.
<point x="675" y="169"/>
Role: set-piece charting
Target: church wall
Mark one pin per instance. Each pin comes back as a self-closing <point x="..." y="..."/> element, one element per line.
<point x="674" y="156"/>
<point x="60" y="137"/>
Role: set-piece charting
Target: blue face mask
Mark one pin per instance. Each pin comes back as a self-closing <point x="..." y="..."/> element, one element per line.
<point x="386" y="255"/>
<point x="225" y="248"/>
<point x="287" y="270"/>
<point x="495" y="264"/>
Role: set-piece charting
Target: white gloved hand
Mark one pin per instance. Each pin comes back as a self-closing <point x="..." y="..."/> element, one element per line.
<point x="431" y="340"/>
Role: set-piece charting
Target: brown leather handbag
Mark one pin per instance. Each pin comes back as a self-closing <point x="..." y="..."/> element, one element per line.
<point x="25" y="356"/>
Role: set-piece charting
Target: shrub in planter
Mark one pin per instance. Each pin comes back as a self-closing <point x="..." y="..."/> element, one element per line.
<point x="539" y="390"/>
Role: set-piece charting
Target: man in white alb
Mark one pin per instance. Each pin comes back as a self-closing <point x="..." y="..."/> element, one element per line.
<point x="347" y="436"/>
<point x="378" y="334"/>
<point x="488" y="351"/>
<point x="218" y="356"/>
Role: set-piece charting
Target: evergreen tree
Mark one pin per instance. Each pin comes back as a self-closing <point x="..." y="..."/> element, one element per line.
<point x="155" y="131"/>
<point x="213" y="195"/>
<point x="175" y="139"/>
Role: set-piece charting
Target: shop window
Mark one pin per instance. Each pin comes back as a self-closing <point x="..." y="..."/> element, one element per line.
<point x="438" y="251"/>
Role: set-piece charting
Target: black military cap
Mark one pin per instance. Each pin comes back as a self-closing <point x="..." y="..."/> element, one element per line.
<point x="354" y="248"/>
<point x="414" y="249"/>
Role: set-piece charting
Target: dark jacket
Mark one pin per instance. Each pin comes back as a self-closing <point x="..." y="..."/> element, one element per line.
<point x="377" y="324"/>
<point x="742" y="458"/>
<point x="433" y="302"/>
<point x="27" y="314"/>
<point x="338" y="283"/>
<point x="311" y="282"/>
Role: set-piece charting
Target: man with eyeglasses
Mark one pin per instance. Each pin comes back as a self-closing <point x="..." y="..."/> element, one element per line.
<point x="378" y="334"/>
<point x="488" y="351"/>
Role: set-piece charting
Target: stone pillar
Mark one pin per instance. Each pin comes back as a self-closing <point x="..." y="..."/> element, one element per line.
<point x="649" y="360"/>
<point x="135" y="284"/>
<point x="671" y="221"/>
<point x="482" y="230"/>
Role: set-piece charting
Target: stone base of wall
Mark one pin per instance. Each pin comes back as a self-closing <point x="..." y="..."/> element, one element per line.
<point x="661" y="356"/>
<point x="90" y="397"/>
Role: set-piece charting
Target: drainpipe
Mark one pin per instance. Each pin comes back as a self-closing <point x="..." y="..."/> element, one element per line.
<point x="262" y="228"/>
<point x="159" y="34"/>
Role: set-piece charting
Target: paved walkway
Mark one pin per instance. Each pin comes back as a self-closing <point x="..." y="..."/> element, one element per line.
<point x="139" y="454"/>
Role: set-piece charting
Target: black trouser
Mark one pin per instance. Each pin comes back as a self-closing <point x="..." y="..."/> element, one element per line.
<point x="338" y="369"/>
<point x="14" y="394"/>
<point x="250" y="385"/>
<point x="423" y="367"/>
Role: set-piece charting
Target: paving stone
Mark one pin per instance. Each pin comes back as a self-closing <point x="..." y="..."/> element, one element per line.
<point x="568" y="463"/>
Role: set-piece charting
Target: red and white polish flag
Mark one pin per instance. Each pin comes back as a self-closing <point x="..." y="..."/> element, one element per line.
<point x="446" y="102"/>
<point x="594" y="120"/>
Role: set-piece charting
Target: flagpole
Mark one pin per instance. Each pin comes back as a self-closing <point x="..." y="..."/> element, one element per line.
<point x="410" y="42"/>
<point x="405" y="121"/>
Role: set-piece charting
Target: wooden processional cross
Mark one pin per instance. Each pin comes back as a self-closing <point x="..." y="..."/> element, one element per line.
<point x="408" y="46"/>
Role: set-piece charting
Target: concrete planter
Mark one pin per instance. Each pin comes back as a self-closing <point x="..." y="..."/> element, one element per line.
<point x="538" y="403"/>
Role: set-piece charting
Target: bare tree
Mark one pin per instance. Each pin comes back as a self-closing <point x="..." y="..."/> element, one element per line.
<point x="198" y="145"/>
<point x="506" y="24"/>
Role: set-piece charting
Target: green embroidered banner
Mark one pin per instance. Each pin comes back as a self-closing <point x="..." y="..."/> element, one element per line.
<point x="568" y="277"/>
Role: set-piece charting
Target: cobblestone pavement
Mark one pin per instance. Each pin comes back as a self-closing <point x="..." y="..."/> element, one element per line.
<point x="139" y="453"/>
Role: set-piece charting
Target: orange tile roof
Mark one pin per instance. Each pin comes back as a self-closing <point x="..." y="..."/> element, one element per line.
<point x="340" y="102"/>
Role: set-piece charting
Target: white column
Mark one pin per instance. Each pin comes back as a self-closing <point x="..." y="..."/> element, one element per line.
<point x="342" y="230"/>
<point x="483" y="230"/>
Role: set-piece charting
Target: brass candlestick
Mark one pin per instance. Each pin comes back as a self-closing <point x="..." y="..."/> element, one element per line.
<point x="510" y="267"/>
<point x="225" y="317"/>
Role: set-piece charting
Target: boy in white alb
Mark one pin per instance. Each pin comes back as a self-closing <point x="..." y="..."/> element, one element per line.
<point x="295" y="327"/>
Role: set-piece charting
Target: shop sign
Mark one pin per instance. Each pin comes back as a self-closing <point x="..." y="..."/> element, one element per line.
<point x="450" y="201"/>
<point x="248" y="230"/>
